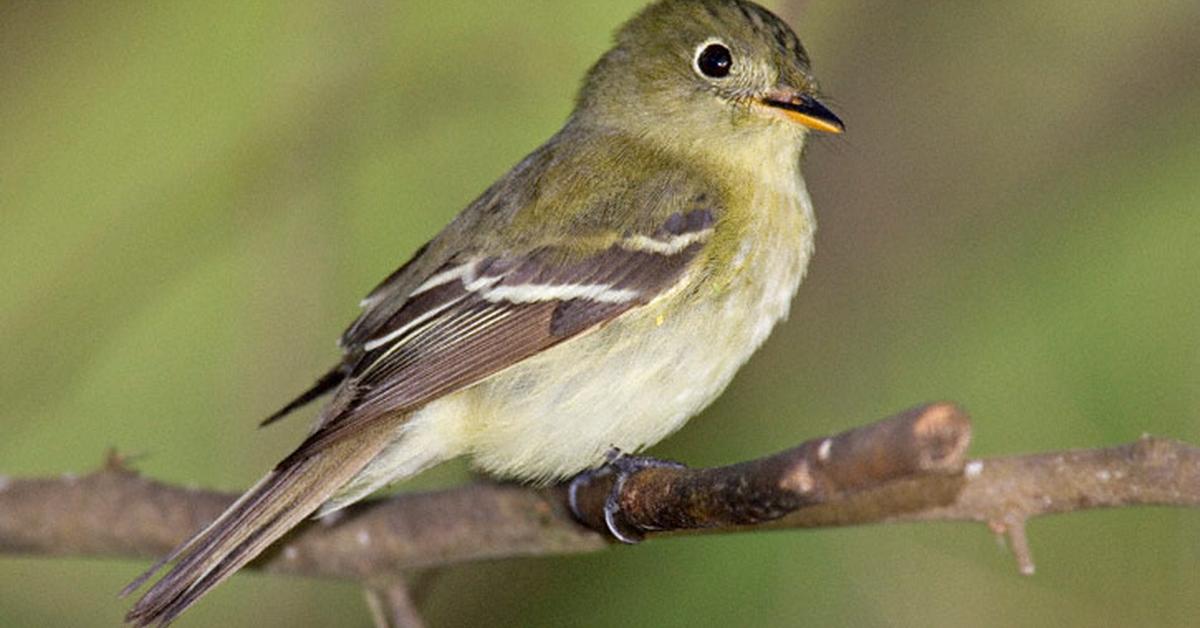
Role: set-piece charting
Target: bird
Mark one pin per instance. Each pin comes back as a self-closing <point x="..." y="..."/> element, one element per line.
<point x="594" y="298"/>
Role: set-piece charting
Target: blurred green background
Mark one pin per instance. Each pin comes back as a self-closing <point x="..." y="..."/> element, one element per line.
<point x="193" y="196"/>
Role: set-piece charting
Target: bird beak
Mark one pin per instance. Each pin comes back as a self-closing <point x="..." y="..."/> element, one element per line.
<point x="805" y="110"/>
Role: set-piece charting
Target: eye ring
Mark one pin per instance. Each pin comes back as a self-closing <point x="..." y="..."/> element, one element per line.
<point x="713" y="59"/>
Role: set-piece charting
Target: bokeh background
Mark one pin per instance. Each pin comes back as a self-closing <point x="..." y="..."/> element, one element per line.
<point x="193" y="196"/>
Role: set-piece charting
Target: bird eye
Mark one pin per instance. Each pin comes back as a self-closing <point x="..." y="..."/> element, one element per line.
<point x="714" y="61"/>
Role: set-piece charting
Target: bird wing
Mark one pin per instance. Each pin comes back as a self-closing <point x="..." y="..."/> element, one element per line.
<point x="476" y="315"/>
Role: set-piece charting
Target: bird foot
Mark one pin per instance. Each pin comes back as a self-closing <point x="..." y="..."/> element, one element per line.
<point x="624" y="467"/>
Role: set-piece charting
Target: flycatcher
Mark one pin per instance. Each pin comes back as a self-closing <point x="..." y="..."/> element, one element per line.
<point x="597" y="296"/>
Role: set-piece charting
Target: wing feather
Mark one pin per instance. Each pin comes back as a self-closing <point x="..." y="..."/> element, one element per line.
<point x="474" y="318"/>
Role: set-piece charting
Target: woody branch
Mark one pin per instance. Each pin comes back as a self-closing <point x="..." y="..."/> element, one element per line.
<point x="908" y="468"/>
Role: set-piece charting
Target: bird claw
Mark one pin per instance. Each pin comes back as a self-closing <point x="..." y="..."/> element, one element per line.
<point x="625" y="467"/>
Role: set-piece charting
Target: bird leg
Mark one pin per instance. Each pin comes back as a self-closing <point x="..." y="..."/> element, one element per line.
<point x="625" y="467"/>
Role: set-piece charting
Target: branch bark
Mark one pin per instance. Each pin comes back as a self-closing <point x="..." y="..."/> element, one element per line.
<point x="908" y="468"/>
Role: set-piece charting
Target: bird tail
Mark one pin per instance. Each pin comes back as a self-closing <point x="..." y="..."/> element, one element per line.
<point x="288" y="494"/>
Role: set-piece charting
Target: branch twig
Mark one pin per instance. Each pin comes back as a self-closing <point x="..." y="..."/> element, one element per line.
<point x="392" y="605"/>
<point x="904" y="469"/>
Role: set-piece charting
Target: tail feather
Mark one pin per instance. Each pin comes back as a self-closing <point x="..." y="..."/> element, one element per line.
<point x="277" y="503"/>
<point x="180" y="593"/>
<point x="205" y="533"/>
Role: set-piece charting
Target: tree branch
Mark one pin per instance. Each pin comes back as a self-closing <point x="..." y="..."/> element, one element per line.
<point x="907" y="468"/>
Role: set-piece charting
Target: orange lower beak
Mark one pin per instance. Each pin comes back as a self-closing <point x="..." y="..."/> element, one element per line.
<point x="805" y="110"/>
